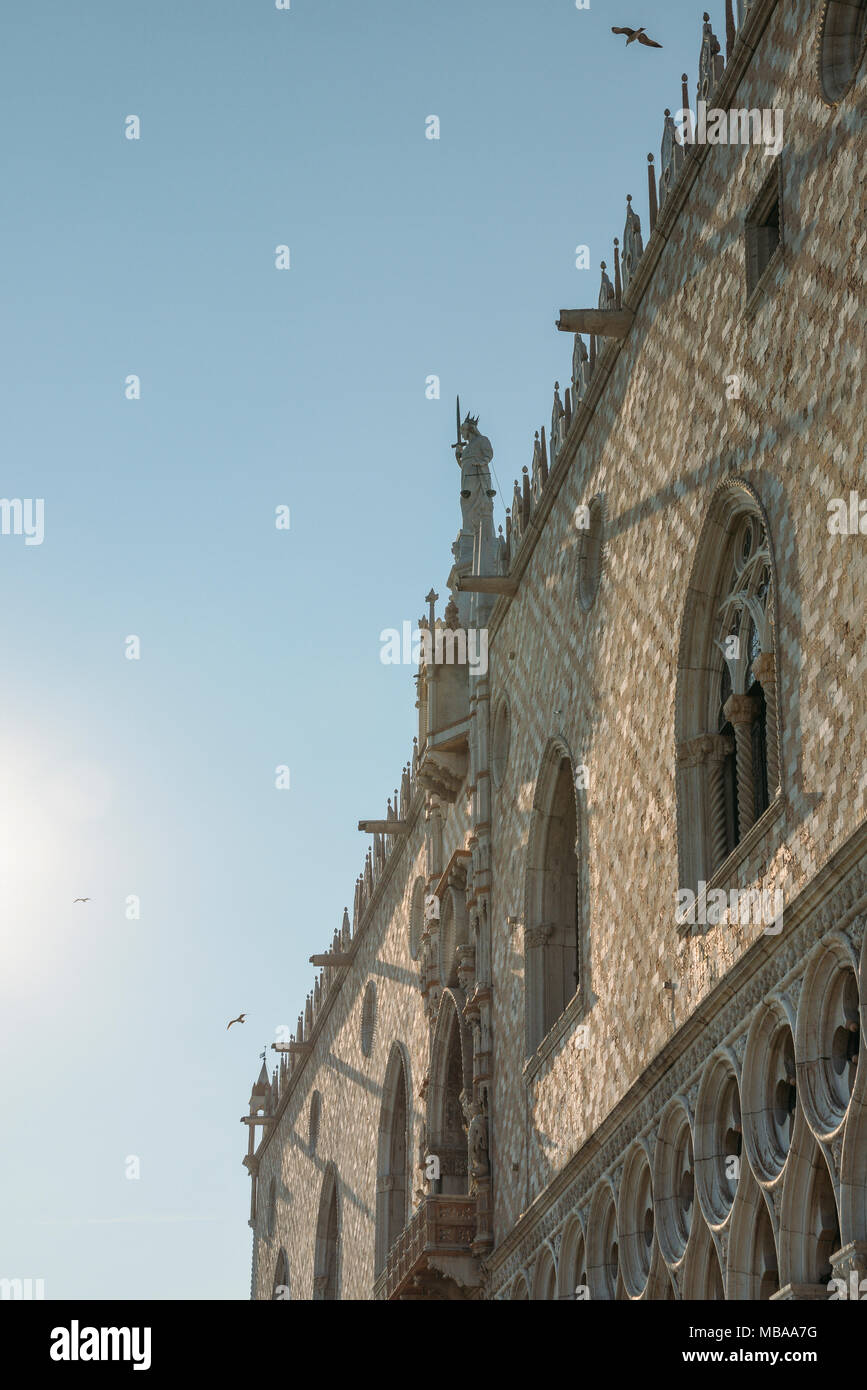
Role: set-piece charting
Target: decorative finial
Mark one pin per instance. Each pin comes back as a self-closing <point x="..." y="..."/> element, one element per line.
<point x="651" y="191"/>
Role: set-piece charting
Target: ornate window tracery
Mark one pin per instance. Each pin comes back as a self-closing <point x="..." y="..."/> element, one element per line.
<point x="726" y="725"/>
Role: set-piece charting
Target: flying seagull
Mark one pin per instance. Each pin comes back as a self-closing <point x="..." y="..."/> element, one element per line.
<point x="239" y="1019"/>
<point x="639" y="34"/>
<point x="80" y="900"/>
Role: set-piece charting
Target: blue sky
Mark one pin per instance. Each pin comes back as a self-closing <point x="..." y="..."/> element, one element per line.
<point x="259" y="647"/>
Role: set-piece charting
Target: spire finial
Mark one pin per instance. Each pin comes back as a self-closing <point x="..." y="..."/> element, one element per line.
<point x="651" y="191"/>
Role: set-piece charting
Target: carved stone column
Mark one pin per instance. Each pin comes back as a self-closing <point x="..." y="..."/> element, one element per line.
<point x="741" y="711"/>
<point x="764" y="670"/>
<point x="720" y="747"/>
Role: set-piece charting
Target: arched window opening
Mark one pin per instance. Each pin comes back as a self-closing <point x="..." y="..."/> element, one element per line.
<point x="552" y="935"/>
<point x="726" y="716"/>
<point x="453" y="1178"/>
<point x="280" y="1289"/>
<point x="327" y="1255"/>
<point x="393" y="1184"/>
<point x="450" y="1090"/>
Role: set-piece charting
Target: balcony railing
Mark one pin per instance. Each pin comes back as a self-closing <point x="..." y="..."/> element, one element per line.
<point x="441" y="1231"/>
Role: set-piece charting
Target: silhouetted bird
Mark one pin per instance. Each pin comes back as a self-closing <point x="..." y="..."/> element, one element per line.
<point x="639" y="34"/>
<point x="239" y="1019"/>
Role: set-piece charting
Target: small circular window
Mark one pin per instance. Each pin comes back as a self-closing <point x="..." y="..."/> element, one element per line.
<point x="500" y="741"/>
<point x="368" y="1019"/>
<point x="315" y="1113"/>
<point x="842" y="41"/>
<point x="590" y="555"/>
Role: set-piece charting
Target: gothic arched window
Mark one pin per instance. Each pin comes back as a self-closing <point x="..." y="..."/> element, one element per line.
<point x="392" y="1180"/>
<point x="326" y="1257"/>
<point x="553" y="915"/>
<point x="451" y="1085"/>
<point x="280" y="1288"/>
<point x="726" y="716"/>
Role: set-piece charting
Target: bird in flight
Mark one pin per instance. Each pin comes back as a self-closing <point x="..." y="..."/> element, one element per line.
<point x="239" y="1019"/>
<point x="80" y="900"/>
<point x="633" y="34"/>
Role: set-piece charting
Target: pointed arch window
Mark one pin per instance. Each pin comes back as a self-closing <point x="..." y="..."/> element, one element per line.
<point x="726" y="717"/>
<point x="280" y="1288"/>
<point x="451" y="1085"/>
<point x="326" y="1259"/>
<point x="392" y="1182"/>
<point x="553" y="911"/>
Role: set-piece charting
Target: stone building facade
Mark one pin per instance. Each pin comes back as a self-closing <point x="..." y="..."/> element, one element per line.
<point x="594" y="1025"/>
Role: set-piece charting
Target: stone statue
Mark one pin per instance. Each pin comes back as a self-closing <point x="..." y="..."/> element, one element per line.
<point x="476" y="491"/>
<point x="477" y="1142"/>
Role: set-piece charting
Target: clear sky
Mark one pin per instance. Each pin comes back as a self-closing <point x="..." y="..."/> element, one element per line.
<point x="259" y="647"/>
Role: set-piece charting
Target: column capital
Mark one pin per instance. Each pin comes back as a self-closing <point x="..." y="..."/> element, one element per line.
<point x="741" y="709"/>
<point x="722" y="745"/>
<point x="764" y="667"/>
<point x="694" y="751"/>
